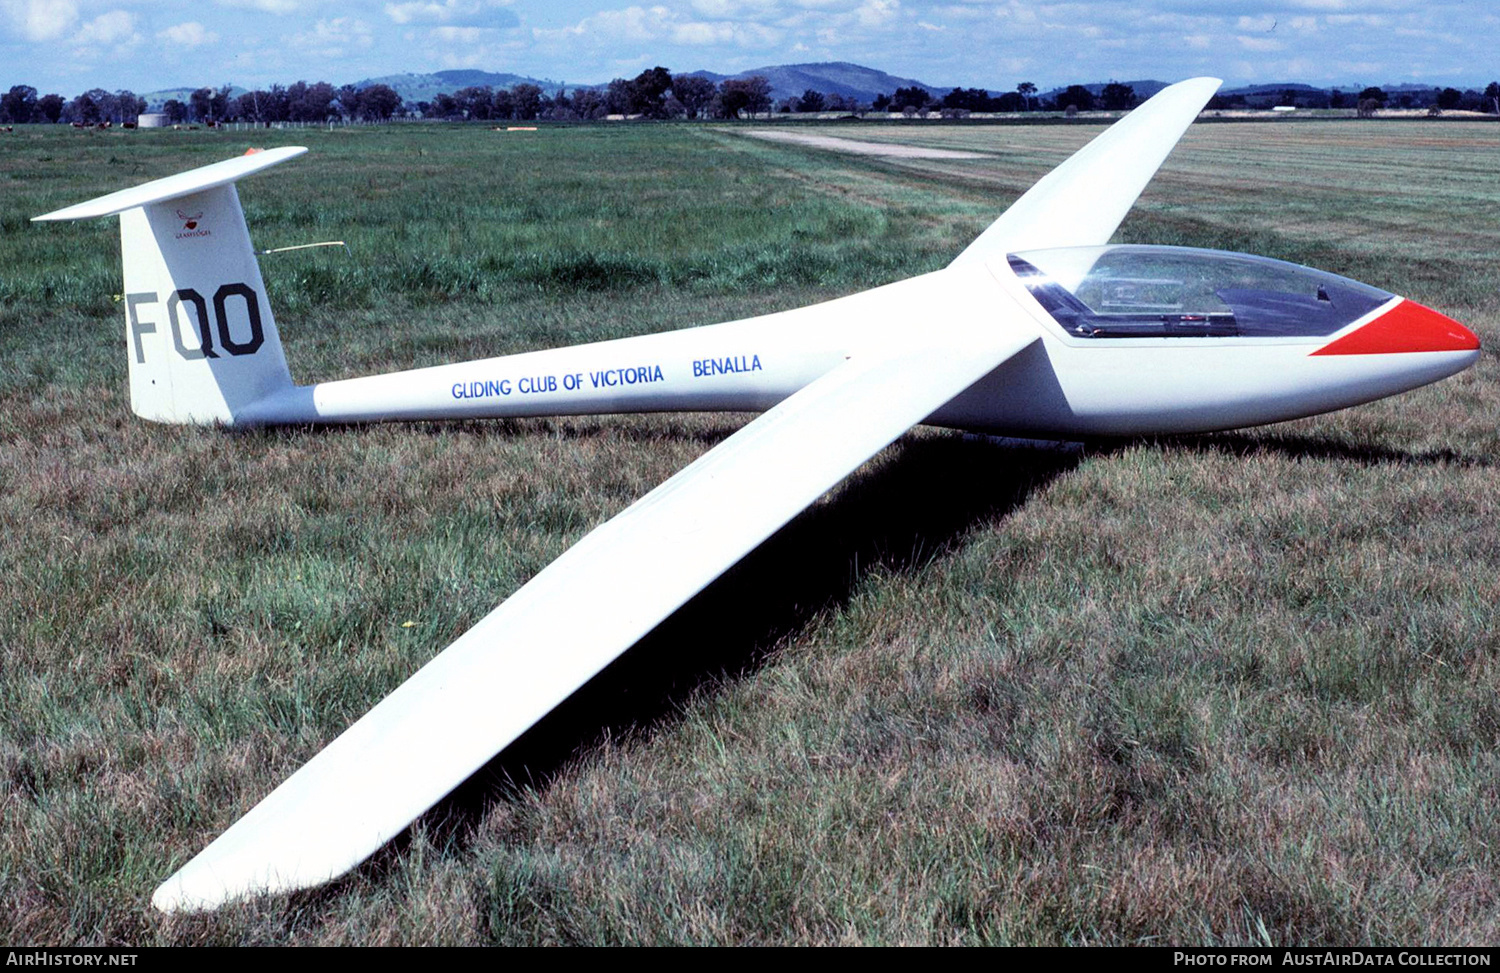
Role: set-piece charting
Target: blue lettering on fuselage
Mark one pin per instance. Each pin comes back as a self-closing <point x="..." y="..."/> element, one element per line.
<point x="480" y="390"/>
<point x="537" y="383"/>
<point x="626" y="376"/>
<point x="731" y="365"/>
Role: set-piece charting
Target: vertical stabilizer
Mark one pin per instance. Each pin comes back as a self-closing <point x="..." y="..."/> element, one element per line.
<point x="200" y="337"/>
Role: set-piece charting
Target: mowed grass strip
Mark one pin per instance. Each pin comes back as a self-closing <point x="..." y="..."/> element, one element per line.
<point x="1234" y="688"/>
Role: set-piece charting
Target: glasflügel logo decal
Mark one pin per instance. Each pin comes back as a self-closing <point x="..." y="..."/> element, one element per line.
<point x="190" y="227"/>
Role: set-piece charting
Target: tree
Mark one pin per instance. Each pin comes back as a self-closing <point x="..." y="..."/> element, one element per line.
<point x="176" y="111"/>
<point x="1492" y="92"/>
<point x="882" y="102"/>
<point x="1367" y="107"/>
<point x="1449" y="98"/>
<point x="475" y="102"/>
<point x="562" y="106"/>
<point x="247" y="107"/>
<point x="1373" y="94"/>
<point x="218" y="105"/>
<point x="694" y="92"/>
<point x="276" y="104"/>
<point x="1081" y="98"/>
<point x="348" y="101"/>
<point x="1118" y="97"/>
<point x="50" y="107"/>
<point x="504" y="104"/>
<point x="1009" y="101"/>
<point x="200" y="104"/>
<point x="752" y="94"/>
<point x="18" y="105"/>
<point x="969" y="99"/>
<point x="1027" y="91"/>
<point x="527" y="101"/>
<point x="132" y="105"/>
<point x="310" y="102"/>
<point x="91" y="107"/>
<point x="811" y="101"/>
<point x="617" y="97"/>
<point x="589" y="103"/>
<point x="1337" y="99"/>
<point x="379" y="102"/>
<point x="915" y="97"/>
<point x="646" y="93"/>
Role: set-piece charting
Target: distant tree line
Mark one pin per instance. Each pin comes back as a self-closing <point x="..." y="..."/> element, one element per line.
<point x="1369" y="101"/>
<point x="654" y="93"/>
<point x="22" y="105"/>
<point x="301" y="102"/>
<point x="657" y="93"/>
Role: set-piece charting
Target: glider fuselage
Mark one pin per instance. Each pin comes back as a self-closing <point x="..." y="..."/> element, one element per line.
<point x="1062" y="386"/>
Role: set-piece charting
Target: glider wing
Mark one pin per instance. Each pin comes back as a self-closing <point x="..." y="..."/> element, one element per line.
<point x="598" y="599"/>
<point x="1082" y="201"/>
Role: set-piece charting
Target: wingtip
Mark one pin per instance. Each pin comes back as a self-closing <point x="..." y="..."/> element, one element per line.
<point x="1204" y="85"/>
<point x="171" y="897"/>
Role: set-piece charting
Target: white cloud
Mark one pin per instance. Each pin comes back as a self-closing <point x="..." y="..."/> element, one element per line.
<point x="1260" y="43"/>
<point x="189" y="34"/>
<point x="632" y="23"/>
<point x="722" y="9"/>
<point x="457" y="13"/>
<point x="269" y="6"/>
<point x="40" y="20"/>
<point x="334" y="38"/>
<point x="111" y="29"/>
<point x="459" y="35"/>
<point x="704" y="33"/>
<point x="873" y="13"/>
<point x="1360" y="20"/>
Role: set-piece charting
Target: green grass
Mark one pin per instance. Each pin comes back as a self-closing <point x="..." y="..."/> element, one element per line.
<point x="1223" y="689"/>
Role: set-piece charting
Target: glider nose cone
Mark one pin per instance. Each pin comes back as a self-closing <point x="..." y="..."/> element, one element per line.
<point x="1407" y="327"/>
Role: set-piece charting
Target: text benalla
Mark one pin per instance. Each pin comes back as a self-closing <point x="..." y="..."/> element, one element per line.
<point x="731" y="365"/>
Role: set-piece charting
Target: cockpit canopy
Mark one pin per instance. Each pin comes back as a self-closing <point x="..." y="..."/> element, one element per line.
<point x="1156" y="292"/>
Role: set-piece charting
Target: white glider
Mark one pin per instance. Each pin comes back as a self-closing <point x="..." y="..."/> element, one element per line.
<point x="1038" y="328"/>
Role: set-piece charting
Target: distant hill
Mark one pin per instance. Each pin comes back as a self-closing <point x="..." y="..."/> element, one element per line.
<point x="829" y="78"/>
<point x="424" y="87"/>
<point x="155" y="99"/>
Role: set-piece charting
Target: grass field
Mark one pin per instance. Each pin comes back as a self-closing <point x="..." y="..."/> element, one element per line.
<point x="1225" y="689"/>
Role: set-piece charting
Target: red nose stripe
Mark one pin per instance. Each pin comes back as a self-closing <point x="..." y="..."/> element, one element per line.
<point x="1406" y="327"/>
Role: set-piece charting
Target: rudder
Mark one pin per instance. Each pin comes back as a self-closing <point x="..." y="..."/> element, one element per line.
<point x="200" y="336"/>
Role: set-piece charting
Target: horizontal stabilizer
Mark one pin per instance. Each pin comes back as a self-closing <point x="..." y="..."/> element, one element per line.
<point x="182" y="184"/>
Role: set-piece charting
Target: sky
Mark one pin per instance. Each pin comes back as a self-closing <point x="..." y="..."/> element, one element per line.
<point x="70" y="46"/>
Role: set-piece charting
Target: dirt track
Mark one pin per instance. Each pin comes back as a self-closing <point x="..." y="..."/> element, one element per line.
<point x="864" y="148"/>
